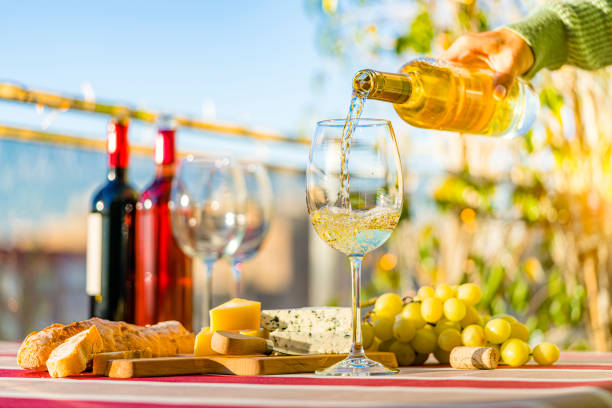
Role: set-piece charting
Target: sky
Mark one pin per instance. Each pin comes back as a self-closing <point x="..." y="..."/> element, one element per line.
<point x="247" y="62"/>
<point x="251" y="62"/>
<point x="254" y="63"/>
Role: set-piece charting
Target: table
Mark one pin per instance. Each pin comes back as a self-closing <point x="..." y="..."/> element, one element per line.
<point x="579" y="379"/>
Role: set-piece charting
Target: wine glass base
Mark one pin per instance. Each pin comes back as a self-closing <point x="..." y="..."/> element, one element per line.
<point x="356" y="366"/>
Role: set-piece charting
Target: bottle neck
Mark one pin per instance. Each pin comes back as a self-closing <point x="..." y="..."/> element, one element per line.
<point x="117" y="174"/>
<point x="117" y="145"/>
<point x="383" y="86"/>
<point x="165" y="155"/>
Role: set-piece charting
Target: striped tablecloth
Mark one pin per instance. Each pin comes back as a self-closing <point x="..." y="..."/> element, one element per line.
<point x="577" y="380"/>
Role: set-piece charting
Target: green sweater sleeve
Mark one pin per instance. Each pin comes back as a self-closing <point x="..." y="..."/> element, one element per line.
<point x="574" y="32"/>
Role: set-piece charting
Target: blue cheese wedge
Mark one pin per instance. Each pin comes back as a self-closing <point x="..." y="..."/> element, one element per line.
<point x="308" y="320"/>
<point x="311" y="343"/>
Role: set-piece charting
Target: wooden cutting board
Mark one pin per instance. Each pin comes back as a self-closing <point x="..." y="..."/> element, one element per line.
<point x="236" y="365"/>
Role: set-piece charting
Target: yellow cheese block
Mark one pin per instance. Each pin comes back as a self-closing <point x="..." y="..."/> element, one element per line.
<point x="236" y="314"/>
<point x="202" y="343"/>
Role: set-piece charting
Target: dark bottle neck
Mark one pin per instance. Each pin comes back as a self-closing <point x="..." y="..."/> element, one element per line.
<point x="117" y="144"/>
<point x="383" y="86"/>
<point x="117" y="174"/>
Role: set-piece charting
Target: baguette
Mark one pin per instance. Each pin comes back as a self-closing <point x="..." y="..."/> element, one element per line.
<point x="163" y="339"/>
<point x="72" y="356"/>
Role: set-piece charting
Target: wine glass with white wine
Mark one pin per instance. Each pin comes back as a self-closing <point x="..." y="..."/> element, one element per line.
<point x="354" y="211"/>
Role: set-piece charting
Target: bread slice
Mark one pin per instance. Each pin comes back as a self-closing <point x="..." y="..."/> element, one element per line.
<point x="163" y="339"/>
<point x="72" y="356"/>
<point x="36" y="348"/>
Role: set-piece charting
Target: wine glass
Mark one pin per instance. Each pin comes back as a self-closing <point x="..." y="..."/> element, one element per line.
<point x="207" y="206"/>
<point x="365" y="220"/>
<point x="258" y="214"/>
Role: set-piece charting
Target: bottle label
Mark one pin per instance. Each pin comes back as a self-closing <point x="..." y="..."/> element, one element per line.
<point x="94" y="254"/>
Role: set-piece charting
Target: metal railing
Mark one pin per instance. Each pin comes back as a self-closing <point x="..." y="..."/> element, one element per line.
<point x="18" y="93"/>
<point x="38" y="136"/>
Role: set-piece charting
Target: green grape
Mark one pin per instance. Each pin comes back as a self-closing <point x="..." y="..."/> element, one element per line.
<point x="497" y="331"/>
<point x="444" y="323"/>
<point x="443" y="292"/>
<point x="384" y="346"/>
<point x="449" y="339"/>
<point x="473" y="336"/>
<point x="431" y="310"/>
<point x="484" y="319"/>
<point x="454" y="309"/>
<point x="403" y="330"/>
<point x="383" y="328"/>
<point x="546" y="353"/>
<point x="374" y="345"/>
<point x="420" y="358"/>
<point x="412" y="312"/>
<point x="508" y="318"/>
<point x="471" y="316"/>
<point x="442" y="356"/>
<point x="403" y="352"/>
<point x="388" y="305"/>
<point x="367" y="334"/>
<point x="424" y="340"/>
<point x="469" y="293"/>
<point x="425" y="292"/>
<point x="515" y="352"/>
<point x="519" y="331"/>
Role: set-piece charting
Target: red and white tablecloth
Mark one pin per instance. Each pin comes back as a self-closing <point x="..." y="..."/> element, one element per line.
<point x="579" y="379"/>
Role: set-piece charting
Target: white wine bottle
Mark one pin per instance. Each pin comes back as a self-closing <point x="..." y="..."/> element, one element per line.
<point x="434" y="94"/>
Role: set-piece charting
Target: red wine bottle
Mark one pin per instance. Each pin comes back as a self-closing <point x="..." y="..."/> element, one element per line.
<point x="163" y="271"/>
<point x="110" y="234"/>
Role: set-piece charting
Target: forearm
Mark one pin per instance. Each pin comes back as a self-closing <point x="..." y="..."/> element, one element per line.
<point x="574" y="32"/>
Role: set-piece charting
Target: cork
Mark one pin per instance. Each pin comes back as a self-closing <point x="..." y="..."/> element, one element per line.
<point x="485" y="358"/>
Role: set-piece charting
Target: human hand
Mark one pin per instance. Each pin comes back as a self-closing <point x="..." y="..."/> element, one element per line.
<point x="504" y="51"/>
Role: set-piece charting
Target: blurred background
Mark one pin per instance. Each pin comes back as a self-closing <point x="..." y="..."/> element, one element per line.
<point x="527" y="219"/>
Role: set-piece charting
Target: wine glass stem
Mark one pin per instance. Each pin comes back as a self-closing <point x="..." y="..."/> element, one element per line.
<point x="208" y="300"/>
<point x="357" y="347"/>
<point x="237" y="275"/>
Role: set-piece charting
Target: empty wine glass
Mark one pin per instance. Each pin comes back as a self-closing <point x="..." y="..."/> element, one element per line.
<point x="258" y="214"/>
<point x="363" y="220"/>
<point x="207" y="206"/>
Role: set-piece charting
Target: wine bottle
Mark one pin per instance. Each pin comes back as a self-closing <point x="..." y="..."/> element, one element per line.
<point x="163" y="271"/>
<point x="441" y="95"/>
<point x="110" y="234"/>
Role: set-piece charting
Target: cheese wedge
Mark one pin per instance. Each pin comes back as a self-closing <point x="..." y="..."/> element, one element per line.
<point x="311" y="343"/>
<point x="72" y="356"/>
<point x="236" y="314"/>
<point x="202" y="343"/>
<point x="308" y="320"/>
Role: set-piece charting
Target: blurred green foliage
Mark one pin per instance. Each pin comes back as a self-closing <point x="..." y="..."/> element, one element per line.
<point x="419" y="36"/>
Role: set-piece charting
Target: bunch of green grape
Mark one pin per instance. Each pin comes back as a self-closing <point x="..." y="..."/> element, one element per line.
<point x="439" y="319"/>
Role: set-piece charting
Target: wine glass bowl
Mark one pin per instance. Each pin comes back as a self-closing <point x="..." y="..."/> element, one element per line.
<point x="257" y="218"/>
<point x="207" y="207"/>
<point x="365" y="220"/>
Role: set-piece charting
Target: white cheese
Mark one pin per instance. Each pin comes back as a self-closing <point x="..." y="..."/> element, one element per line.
<point x="308" y="320"/>
<point x="311" y="343"/>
